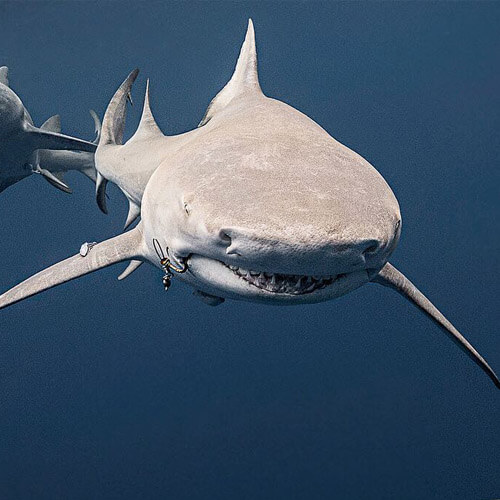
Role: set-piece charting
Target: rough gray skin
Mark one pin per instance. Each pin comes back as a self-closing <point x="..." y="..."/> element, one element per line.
<point x="260" y="203"/>
<point x="26" y="149"/>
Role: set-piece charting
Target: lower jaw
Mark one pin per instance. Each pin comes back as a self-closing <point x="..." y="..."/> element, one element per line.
<point x="214" y="277"/>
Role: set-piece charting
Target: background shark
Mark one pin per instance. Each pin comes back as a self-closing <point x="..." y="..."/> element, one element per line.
<point x="26" y="149"/>
<point x="258" y="203"/>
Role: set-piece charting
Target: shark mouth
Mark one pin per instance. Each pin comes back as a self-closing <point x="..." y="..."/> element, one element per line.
<point x="292" y="284"/>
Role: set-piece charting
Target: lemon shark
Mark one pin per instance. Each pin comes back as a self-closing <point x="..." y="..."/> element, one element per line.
<point x="258" y="203"/>
<point x="26" y="149"/>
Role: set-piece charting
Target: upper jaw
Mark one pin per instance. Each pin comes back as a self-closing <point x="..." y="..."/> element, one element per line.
<point x="217" y="278"/>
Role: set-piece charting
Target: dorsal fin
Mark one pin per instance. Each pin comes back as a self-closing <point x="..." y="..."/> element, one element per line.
<point x="113" y="122"/>
<point x="245" y="77"/>
<point x="147" y="126"/>
<point x="4" y="75"/>
<point x="53" y="124"/>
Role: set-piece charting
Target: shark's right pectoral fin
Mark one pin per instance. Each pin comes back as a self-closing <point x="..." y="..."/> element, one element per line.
<point x="389" y="276"/>
<point x="124" y="247"/>
<point x="45" y="139"/>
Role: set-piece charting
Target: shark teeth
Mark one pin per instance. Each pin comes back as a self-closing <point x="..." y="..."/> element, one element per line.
<point x="293" y="284"/>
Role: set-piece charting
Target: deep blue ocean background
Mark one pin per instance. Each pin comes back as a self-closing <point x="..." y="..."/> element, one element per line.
<point x="116" y="390"/>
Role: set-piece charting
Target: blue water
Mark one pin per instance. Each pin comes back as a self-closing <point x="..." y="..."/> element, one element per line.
<point x="117" y="390"/>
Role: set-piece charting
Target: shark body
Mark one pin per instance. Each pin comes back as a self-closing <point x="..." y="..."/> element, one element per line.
<point x="259" y="203"/>
<point x="26" y="149"/>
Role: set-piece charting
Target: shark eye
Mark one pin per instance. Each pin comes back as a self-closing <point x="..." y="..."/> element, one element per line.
<point x="187" y="208"/>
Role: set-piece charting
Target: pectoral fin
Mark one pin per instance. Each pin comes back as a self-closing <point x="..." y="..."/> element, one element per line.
<point x="389" y="276"/>
<point x="55" y="180"/>
<point x="126" y="246"/>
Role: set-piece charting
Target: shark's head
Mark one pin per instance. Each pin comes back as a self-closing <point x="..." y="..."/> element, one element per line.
<point x="265" y="205"/>
<point x="289" y="223"/>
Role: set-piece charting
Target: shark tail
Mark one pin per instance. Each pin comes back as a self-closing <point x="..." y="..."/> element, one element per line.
<point x="389" y="276"/>
<point x="124" y="247"/>
<point x="111" y="132"/>
<point x="113" y="123"/>
<point x="100" y="192"/>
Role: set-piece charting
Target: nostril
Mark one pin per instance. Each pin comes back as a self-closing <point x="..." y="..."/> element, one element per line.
<point x="225" y="238"/>
<point x="371" y="249"/>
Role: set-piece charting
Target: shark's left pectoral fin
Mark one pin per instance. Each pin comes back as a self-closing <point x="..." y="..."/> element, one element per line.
<point x="124" y="247"/>
<point x="45" y="139"/>
<point x="389" y="276"/>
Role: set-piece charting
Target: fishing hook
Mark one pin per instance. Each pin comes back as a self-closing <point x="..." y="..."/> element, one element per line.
<point x="167" y="265"/>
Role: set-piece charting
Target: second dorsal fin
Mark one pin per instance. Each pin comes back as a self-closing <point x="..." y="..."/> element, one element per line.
<point x="245" y="77"/>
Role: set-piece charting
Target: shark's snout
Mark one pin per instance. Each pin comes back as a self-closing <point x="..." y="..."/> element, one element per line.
<point x="302" y="248"/>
